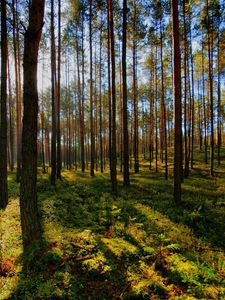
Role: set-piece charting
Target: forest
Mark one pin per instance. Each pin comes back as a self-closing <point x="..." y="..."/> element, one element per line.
<point x="112" y="149"/>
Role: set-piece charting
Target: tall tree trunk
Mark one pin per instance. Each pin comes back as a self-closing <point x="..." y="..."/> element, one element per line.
<point x="16" y="45"/>
<point x="204" y="104"/>
<point x="81" y="128"/>
<point x="126" y="175"/>
<point x="11" y="125"/>
<point x="100" y="100"/>
<point x="151" y="103"/>
<point x="113" y="150"/>
<point x="82" y="105"/>
<point x="163" y="106"/>
<point x="3" y="124"/>
<point x="109" y="88"/>
<point x="210" y="70"/>
<point x="219" y="115"/>
<point x="30" y="218"/>
<point x="53" y="87"/>
<point x="156" y="110"/>
<point x="95" y="107"/>
<point x="59" y="155"/>
<point x="91" y="96"/>
<point x="135" y="100"/>
<point x="192" y="99"/>
<point x="177" y="98"/>
<point x="186" y="156"/>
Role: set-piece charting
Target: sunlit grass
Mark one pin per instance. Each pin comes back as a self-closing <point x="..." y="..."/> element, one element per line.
<point x="136" y="244"/>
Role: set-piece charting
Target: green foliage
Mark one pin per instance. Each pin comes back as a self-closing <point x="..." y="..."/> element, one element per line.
<point x="108" y="212"/>
<point x="137" y="245"/>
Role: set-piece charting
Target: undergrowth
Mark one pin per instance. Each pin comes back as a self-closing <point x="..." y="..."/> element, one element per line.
<point x="136" y="245"/>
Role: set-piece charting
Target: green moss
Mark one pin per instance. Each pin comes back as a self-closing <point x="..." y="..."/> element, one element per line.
<point x="137" y="245"/>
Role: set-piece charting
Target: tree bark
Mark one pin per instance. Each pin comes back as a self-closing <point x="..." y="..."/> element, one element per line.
<point x="126" y="175"/>
<point x="53" y="90"/>
<point x="177" y="102"/>
<point x="210" y="70"/>
<point x="113" y="150"/>
<point x="58" y="133"/>
<point x="91" y="96"/>
<point x="3" y="124"/>
<point x="30" y="218"/>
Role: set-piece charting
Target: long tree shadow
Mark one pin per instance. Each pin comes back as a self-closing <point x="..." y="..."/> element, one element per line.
<point x="87" y="252"/>
<point x="200" y="208"/>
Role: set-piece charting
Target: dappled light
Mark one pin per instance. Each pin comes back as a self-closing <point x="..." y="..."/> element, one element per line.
<point x="112" y="149"/>
<point x="128" y="246"/>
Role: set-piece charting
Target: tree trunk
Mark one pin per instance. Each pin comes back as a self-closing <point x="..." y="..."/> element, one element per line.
<point x="109" y="89"/>
<point x="30" y="218"/>
<point x="204" y="105"/>
<point x="177" y="101"/>
<point x="3" y="124"/>
<point x="82" y="105"/>
<point x="126" y="175"/>
<point x="18" y="88"/>
<point x="210" y="70"/>
<point x="135" y="101"/>
<point x="53" y="87"/>
<point x="113" y="150"/>
<point x="11" y="125"/>
<point x="100" y="101"/>
<point x="91" y="97"/>
<point x="186" y="157"/>
<point x="151" y="103"/>
<point x="219" y="115"/>
<point x="58" y="133"/>
<point x="163" y="106"/>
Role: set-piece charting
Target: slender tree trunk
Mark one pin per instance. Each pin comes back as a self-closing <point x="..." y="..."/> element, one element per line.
<point x="95" y="108"/>
<point x="43" y="121"/>
<point x="210" y="66"/>
<point x="156" y="111"/>
<point x="186" y="157"/>
<point x="18" y="88"/>
<point x="151" y="100"/>
<point x="42" y="141"/>
<point x="81" y="128"/>
<point x="177" y="96"/>
<point x="109" y="89"/>
<point x="91" y="96"/>
<point x="219" y="115"/>
<point x="135" y="101"/>
<point x="192" y="101"/>
<point x="54" y="94"/>
<point x="100" y="100"/>
<point x="163" y="120"/>
<point x="204" y="105"/>
<point x="82" y="105"/>
<point x="3" y="124"/>
<point x="11" y="125"/>
<point x="126" y="175"/>
<point x="59" y="154"/>
<point x="113" y="150"/>
<point x="199" y="117"/>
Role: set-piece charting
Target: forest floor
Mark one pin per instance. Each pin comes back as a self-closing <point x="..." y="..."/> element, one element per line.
<point x="136" y="245"/>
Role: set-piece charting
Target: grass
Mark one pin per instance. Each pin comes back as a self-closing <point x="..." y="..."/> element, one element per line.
<point x="136" y="245"/>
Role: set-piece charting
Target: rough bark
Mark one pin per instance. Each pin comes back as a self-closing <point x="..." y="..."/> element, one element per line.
<point x="3" y="124"/>
<point x="30" y="218"/>
<point x="53" y="90"/>
<point x="58" y="133"/>
<point x="177" y="102"/>
<point x="126" y="176"/>
<point x="113" y="150"/>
